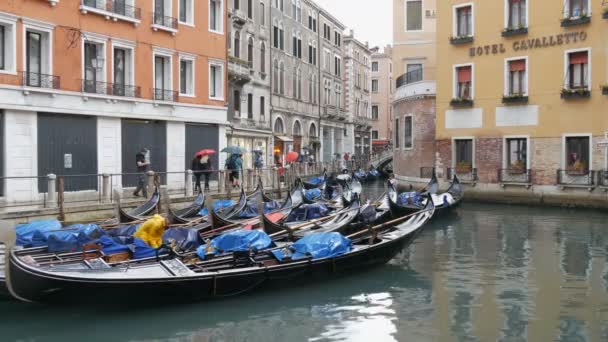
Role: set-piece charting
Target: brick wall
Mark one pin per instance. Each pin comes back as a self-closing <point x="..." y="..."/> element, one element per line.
<point x="443" y="156"/>
<point x="488" y="159"/>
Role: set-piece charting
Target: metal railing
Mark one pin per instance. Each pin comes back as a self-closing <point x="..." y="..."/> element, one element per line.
<point x="427" y="172"/>
<point x="162" y="20"/>
<point x="118" y="7"/>
<point x="113" y="89"/>
<point x="576" y="177"/>
<point x="602" y="178"/>
<point x="409" y="77"/>
<point x="38" y="80"/>
<point x="468" y="176"/>
<point x="17" y="191"/>
<point x="515" y="176"/>
<point x="165" y="95"/>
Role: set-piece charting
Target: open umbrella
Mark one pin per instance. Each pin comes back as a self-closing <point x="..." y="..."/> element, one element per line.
<point x="292" y="156"/>
<point x="204" y="152"/>
<point x="233" y="150"/>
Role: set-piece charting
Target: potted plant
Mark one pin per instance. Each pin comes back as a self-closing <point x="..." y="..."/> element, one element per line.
<point x="461" y="40"/>
<point x="514" y="98"/>
<point x="461" y="102"/>
<point x="463" y="167"/>
<point x="575" y="93"/>
<point x="517" y="167"/>
<point x="513" y="31"/>
<point x="579" y="168"/>
<point x="570" y="20"/>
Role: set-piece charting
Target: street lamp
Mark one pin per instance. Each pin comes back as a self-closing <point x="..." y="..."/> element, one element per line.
<point x="98" y="63"/>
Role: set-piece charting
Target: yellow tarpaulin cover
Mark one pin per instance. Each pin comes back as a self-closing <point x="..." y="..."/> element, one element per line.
<point x="151" y="232"/>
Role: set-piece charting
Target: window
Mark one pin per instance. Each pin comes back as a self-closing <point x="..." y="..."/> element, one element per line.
<point x="250" y="106"/>
<point x="186" y="12"/>
<point x="517" y="77"/>
<point x="312" y="53"/>
<point x="337" y="39"/>
<point x="396" y="133"/>
<point x="278" y="126"/>
<point x="337" y="66"/>
<point x="375" y="86"/>
<point x="162" y="78"/>
<point x="414" y="73"/>
<point x="578" y="70"/>
<point x="408" y="139"/>
<point x="262" y="14"/>
<point x="375" y="135"/>
<point x="262" y="108"/>
<point x="236" y="102"/>
<point x="463" y="82"/>
<point x="282" y="79"/>
<point x="263" y="58"/>
<point x="374" y="112"/>
<point x="237" y="4"/>
<point x="357" y="107"/>
<point x="464" y="21"/>
<point x="312" y="131"/>
<point x="312" y="23"/>
<point x="275" y="77"/>
<point x="281" y="38"/>
<point x="275" y="39"/>
<point x="94" y="67"/>
<point x="162" y="13"/>
<point x="326" y="32"/>
<point x="327" y="60"/>
<point x="297" y="128"/>
<point x="215" y="15"/>
<point x="578" y="154"/>
<point x="414" y="15"/>
<point x="338" y="96"/>
<point x="250" y="52"/>
<point x="120" y="73"/>
<point x="294" y="9"/>
<point x="250" y="9"/>
<point x="374" y="66"/>
<point x="186" y="76"/>
<point x="33" y="65"/>
<point x="576" y="8"/>
<point x="216" y="81"/>
<point x="463" y="153"/>
<point x="516" y="14"/>
<point x="313" y="96"/>
<point x="236" y="51"/>
<point x="299" y="84"/>
<point x="516" y="153"/>
<point x="3" y="48"/>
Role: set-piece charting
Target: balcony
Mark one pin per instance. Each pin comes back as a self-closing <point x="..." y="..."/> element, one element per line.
<point x="409" y="77"/>
<point x="238" y="17"/>
<point x="576" y="179"/>
<point x="514" y="31"/>
<point x="165" y="95"/>
<point x="515" y="177"/>
<point x="329" y="111"/>
<point x="110" y="89"/>
<point x="164" y="23"/>
<point x="38" y="80"/>
<point x="239" y="71"/>
<point x="112" y="9"/>
<point x="602" y="179"/>
<point x="412" y="84"/>
<point x="575" y="21"/>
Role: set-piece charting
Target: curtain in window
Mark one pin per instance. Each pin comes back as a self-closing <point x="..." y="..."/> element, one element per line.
<point x="577" y="152"/>
<point x="517" y="13"/>
<point x="464" y="82"/>
<point x="414" y="15"/>
<point x="517" y="71"/>
<point x="464" y="21"/>
<point x="578" y="69"/>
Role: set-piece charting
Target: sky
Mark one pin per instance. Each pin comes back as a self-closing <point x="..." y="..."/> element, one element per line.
<point x="372" y="20"/>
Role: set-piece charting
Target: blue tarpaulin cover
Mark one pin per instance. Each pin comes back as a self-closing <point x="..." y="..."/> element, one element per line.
<point x="185" y="238"/>
<point x="308" y="212"/>
<point x="317" y="180"/>
<point x="251" y="209"/>
<point x="406" y="198"/>
<point x="127" y="230"/>
<point x="111" y="245"/>
<point x="271" y="206"/>
<point x="360" y="174"/>
<point x="217" y="206"/>
<point x="374" y="173"/>
<point x="142" y="250"/>
<point x="68" y="239"/>
<point x="317" y="246"/>
<point x="26" y="231"/>
<point x="237" y="241"/>
<point x="313" y="194"/>
<point x="367" y="215"/>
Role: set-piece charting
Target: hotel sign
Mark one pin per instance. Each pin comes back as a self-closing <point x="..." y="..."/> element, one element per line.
<point x="530" y="44"/>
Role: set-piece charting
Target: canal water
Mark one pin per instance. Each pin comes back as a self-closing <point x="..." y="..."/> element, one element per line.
<point x="485" y="273"/>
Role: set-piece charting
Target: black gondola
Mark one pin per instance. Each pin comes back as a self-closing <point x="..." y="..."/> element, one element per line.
<point x="309" y="185"/>
<point x="449" y="199"/>
<point x="432" y="187"/>
<point x="138" y="213"/>
<point x="170" y="277"/>
<point x="188" y="214"/>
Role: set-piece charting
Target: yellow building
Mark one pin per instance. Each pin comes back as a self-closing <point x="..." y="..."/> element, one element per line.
<point x="519" y="91"/>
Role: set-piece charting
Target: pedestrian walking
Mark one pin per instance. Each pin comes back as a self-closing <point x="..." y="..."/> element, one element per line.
<point x="207" y="168"/>
<point x="143" y="165"/>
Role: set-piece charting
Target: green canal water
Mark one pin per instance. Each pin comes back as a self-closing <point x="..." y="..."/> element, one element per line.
<point x="485" y="273"/>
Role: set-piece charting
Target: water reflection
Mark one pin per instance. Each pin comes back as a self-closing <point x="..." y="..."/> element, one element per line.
<point x="485" y="273"/>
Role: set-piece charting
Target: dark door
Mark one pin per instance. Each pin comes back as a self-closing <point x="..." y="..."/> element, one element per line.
<point x="139" y="134"/>
<point x="198" y="137"/>
<point x="67" y="145"/>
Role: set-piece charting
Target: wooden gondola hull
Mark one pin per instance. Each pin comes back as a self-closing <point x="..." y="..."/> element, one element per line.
<point x="40" y="286"/>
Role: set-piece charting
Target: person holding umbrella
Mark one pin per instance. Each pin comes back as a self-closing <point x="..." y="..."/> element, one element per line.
<point x="201" y="165"/>
<point x="234" y="163"/>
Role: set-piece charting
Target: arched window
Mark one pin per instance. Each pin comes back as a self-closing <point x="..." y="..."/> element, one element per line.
<point x="278" y="126"/>
<point x="282" y="78"/>
<point x="312" y="131"/>
<point x="263" y="57"/>
<point x="275" y="76"/>
<point x="297" y="128"/>
<point x="250" y="52"/>
<point x="237" y="44"/>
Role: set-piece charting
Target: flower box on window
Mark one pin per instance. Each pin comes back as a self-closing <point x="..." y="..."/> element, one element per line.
<point x="463" y="168"/>
<point x="514" y="31"/>
<point x="605" y="89"/>
<point x="573" y="21"/>
<point x="460" y="102"/>
<point x="575" y="93"/>
<point x="461" y="40"/>
<point x="514" y="99"/>
<point x="579" y="168"/>
<point x="517" y="168"/>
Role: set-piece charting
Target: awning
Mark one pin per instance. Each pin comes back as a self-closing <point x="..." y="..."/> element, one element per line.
<point x="380" y="142"/>
<point x="283" y="138"/>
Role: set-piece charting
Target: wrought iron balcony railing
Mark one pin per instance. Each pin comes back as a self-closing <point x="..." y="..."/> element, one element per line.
<point x="112" y="89"/>
<point x="165" y="95"/>
<point x="427" y="172"/>
<point x="576" y="177"/>
<point x="409" y="77"/>
<point x="515" y="176"/>
<point x="118" y="7"/>
<point x="161" y="20"/>
<point x="38" y="80"/>
<point x="602" y="178"/>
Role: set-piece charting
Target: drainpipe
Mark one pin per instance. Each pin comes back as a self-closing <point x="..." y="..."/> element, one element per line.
<point x="271" y="25"/>
<point x="318" y="66"/>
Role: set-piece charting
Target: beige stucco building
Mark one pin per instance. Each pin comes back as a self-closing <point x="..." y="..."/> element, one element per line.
<point x="382" y="96"/>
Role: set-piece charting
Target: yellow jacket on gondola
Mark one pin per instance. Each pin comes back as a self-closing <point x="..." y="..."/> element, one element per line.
<point x="151" y="232"/>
